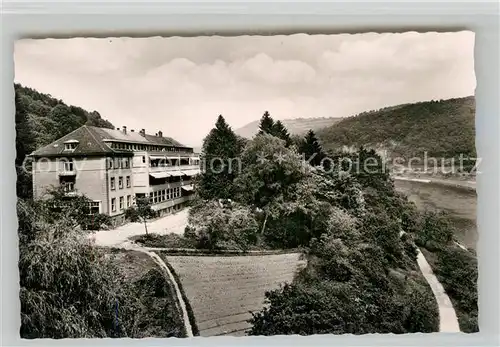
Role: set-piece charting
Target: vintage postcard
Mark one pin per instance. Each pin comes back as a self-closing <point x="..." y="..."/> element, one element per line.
<point x="251" y="185"/>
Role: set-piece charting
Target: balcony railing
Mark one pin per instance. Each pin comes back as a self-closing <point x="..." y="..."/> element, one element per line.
<point x="174" y="168"/>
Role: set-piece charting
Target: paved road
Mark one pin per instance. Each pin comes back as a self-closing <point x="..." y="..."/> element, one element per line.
<point x="174" y="223"/>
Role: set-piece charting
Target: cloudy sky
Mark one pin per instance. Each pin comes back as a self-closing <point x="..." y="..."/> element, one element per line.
<point x="180" y="85"/>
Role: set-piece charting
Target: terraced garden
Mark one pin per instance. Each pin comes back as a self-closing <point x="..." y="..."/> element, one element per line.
<point x="222" y="291"/>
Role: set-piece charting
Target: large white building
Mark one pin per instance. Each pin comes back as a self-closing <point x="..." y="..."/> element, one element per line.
<point x="112" y="167"/>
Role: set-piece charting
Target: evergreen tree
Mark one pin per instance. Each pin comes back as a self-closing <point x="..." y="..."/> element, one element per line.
<point x="221" y="152"/>
<point x="266" y="124"/>
<point x="281" y="132"/>
<point x="310" y="147"/>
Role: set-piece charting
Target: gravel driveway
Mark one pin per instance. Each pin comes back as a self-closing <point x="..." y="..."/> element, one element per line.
<point x="174" y="223"/>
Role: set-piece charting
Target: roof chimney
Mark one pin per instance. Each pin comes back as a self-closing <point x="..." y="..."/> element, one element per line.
<point x="143" y="132"/>
<point x="160" y="134"/>
<point x="125" y="130"/>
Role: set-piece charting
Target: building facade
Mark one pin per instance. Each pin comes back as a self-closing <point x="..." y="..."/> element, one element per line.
<point x="114" y="167"/>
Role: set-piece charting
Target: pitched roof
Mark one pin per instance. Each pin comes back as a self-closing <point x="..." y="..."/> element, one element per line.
<point x="91" y="140"/>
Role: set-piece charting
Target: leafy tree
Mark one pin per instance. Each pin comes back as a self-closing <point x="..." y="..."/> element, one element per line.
<point x="223" y="226"/>
<point x="57" y="205"/>
<point x="221" y="152"/>
<point x="266" y="124"/>
<point x="269" y="168"/>
<point x="141" y="211"/>
<point x="67" y="122"/>
<point x="68" y="289"/>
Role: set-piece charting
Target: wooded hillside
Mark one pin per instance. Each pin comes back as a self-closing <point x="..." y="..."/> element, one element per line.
<point x="444" y="128"/>
<point x="42" y="119"/>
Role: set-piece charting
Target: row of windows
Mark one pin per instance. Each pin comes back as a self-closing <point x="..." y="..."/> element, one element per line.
<point x="118" y="163"/>
<point x="122" y="203"/>
<point x="149" y="148"/>
<point x="164" y="195"/>
<point x="120" y="182"/>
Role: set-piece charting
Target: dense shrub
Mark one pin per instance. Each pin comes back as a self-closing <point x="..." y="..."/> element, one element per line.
<point x="433" y="230"/>
<point x="158" y="315"/>
<point x="457" y="271"/>
<point x="69" y="290"/>
<point x="217" y="226"/>
<point x="165" y="241"/>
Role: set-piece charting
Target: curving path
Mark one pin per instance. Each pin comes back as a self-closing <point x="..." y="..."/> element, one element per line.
<point x="448" y="322"/>
<point x="119" y="238"/>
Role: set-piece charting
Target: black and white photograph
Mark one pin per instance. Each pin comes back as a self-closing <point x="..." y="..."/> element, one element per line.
<point x="246" y="185"/>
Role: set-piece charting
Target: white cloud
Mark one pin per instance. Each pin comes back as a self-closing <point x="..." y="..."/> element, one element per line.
<point x="180" y="85"/>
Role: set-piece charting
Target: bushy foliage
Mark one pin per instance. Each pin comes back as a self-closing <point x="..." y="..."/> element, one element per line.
<point x="455" y="268"/>
<point x="57" y="205"/>
<point x="72" y="289"/>
<point x="432" y="230"/>
<point x="68" y="288"/>
<point x="457" y="271"/>
<point x="217" y="226"/>
<point x="165" y="241"/>
<point x="269" y="169"/>
<point x="158" y="315"/>
<point x="141" y="211"/>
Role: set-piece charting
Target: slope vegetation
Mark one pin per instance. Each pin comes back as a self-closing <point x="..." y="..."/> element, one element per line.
<point x="49" y="118"/>
<point x="443" y="129"/>
<point x="40" y="120"/>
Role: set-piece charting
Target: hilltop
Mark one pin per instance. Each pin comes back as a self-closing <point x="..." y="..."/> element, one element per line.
<point x="443" y="128"/>
<point x="297" y="126"/>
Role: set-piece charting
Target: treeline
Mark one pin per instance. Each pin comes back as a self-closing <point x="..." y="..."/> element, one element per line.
<point x="40" y="120"/>
<point x="443" y="129"/>
<point x="362" y="275"/>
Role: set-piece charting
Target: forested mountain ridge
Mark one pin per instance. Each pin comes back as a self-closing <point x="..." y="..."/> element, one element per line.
<point x="443" y="129"/>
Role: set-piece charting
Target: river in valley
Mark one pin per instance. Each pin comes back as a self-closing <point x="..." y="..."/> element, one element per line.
<point x="459" y="202"/>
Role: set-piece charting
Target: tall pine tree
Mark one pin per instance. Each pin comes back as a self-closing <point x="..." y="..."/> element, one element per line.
<point x="266" y="124"/>
<point x="310" y="147"/>
<point x="221" y="152"/>
<point x="281" y="132"/>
